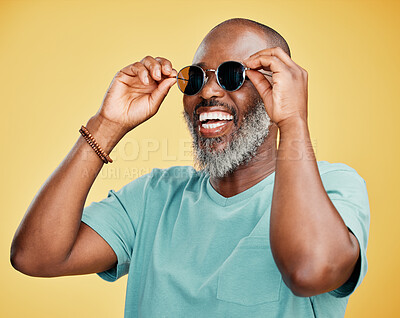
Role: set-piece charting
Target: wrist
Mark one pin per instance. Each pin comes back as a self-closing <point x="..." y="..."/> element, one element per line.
<point x="294" y="140"/>
<point x="106" y="133"/>
<point x="295" y="124"/>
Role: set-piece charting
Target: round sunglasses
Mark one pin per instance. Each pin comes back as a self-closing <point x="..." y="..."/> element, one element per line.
<point x="230" y="76"/>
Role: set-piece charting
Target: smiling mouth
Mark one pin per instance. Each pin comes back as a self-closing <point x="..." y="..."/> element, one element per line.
<point x="214" y="123"/>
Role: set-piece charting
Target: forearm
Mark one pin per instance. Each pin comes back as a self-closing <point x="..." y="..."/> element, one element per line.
<point x="309" y="239"/>
<point x="50" y="226"/>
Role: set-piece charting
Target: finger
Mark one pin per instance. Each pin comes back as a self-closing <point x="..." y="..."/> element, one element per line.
<point x="143" y="73"/>
<point x="275" y="51"/>
<point x="268" y="63"/>
<point x="130" y="70"/>
<point x="166" y="65"/>
<point x="174" y="72"/>
<point x="260" y="82"/>
<point x="158" y="95"/>
<point x="153" y="66"/>
<point x="137" y="70"/>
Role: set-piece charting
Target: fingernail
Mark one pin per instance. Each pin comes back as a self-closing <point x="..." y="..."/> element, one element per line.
<point x="168" y="68"/>
<point x="146" y="80"/>
<point x="158" y="73"/>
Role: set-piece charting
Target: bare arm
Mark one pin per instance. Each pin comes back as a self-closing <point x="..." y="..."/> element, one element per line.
<point x="50" y="227"/>
<point x="51" y="240"/>
<point x="311" y="245"/>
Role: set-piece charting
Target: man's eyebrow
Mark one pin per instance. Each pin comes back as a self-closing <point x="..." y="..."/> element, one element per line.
<point x="201" y="64"/>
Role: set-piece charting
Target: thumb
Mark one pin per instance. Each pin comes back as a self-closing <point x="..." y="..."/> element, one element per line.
<point x="260" y="82"/>
<point x="158" y="95"/>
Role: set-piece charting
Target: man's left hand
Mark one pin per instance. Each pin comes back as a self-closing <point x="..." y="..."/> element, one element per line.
<point x="286" y="98"/>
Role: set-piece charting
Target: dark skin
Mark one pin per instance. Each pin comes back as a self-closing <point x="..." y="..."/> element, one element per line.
<point x="311" y="245"/>
<point x="214" y="50"/>
<point x="315" y="256"/>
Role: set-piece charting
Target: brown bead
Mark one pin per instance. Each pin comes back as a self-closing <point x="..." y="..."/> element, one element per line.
<point x="95" y="146"/>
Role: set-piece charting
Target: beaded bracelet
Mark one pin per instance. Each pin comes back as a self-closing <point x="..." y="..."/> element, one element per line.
<point x="92" y="142"/>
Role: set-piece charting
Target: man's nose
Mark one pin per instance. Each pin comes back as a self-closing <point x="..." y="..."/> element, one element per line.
<point x="211" y="88"/>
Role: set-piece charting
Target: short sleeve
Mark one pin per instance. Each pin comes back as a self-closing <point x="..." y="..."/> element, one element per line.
<point x="115" y="219"/>
<point x="348" y="193"/>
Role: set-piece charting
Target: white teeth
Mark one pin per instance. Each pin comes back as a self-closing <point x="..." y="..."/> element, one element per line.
<point x="215" y="115"/>
<point x="210" y="126"/>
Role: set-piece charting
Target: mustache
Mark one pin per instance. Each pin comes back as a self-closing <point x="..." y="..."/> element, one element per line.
<point x="214" y="102"/>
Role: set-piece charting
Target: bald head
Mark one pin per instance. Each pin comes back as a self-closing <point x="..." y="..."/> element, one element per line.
<point x="231" y="27"/>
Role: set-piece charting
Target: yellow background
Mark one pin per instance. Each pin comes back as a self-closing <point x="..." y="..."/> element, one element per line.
<point x="57" y="59"/>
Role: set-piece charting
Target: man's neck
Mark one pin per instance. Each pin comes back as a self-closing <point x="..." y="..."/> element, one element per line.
<point x="248" y="175"/>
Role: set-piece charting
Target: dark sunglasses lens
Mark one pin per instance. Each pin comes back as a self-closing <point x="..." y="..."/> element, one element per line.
<point x="230" y="75"/>
<point x="190" y="80"/>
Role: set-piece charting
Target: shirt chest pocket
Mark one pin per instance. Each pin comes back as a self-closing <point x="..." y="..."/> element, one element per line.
<point x="249" y="276"/>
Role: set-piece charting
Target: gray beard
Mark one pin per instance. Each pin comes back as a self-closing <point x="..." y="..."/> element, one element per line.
<point x="241" y="148"/>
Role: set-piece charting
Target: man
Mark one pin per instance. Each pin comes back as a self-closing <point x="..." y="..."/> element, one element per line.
<point x="255" y="232"/>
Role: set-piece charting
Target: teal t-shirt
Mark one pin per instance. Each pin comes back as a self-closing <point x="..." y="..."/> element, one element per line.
<point x="190" y="252"/>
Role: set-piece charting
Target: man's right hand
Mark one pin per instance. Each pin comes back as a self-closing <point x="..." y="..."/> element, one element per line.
<point x="137" y="91"/>
<point x="51" y="239"/>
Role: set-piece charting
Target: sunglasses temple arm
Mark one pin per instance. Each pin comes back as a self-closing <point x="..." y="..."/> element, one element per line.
<point x="248" y="68"/>
<point x="266" y="74"/>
